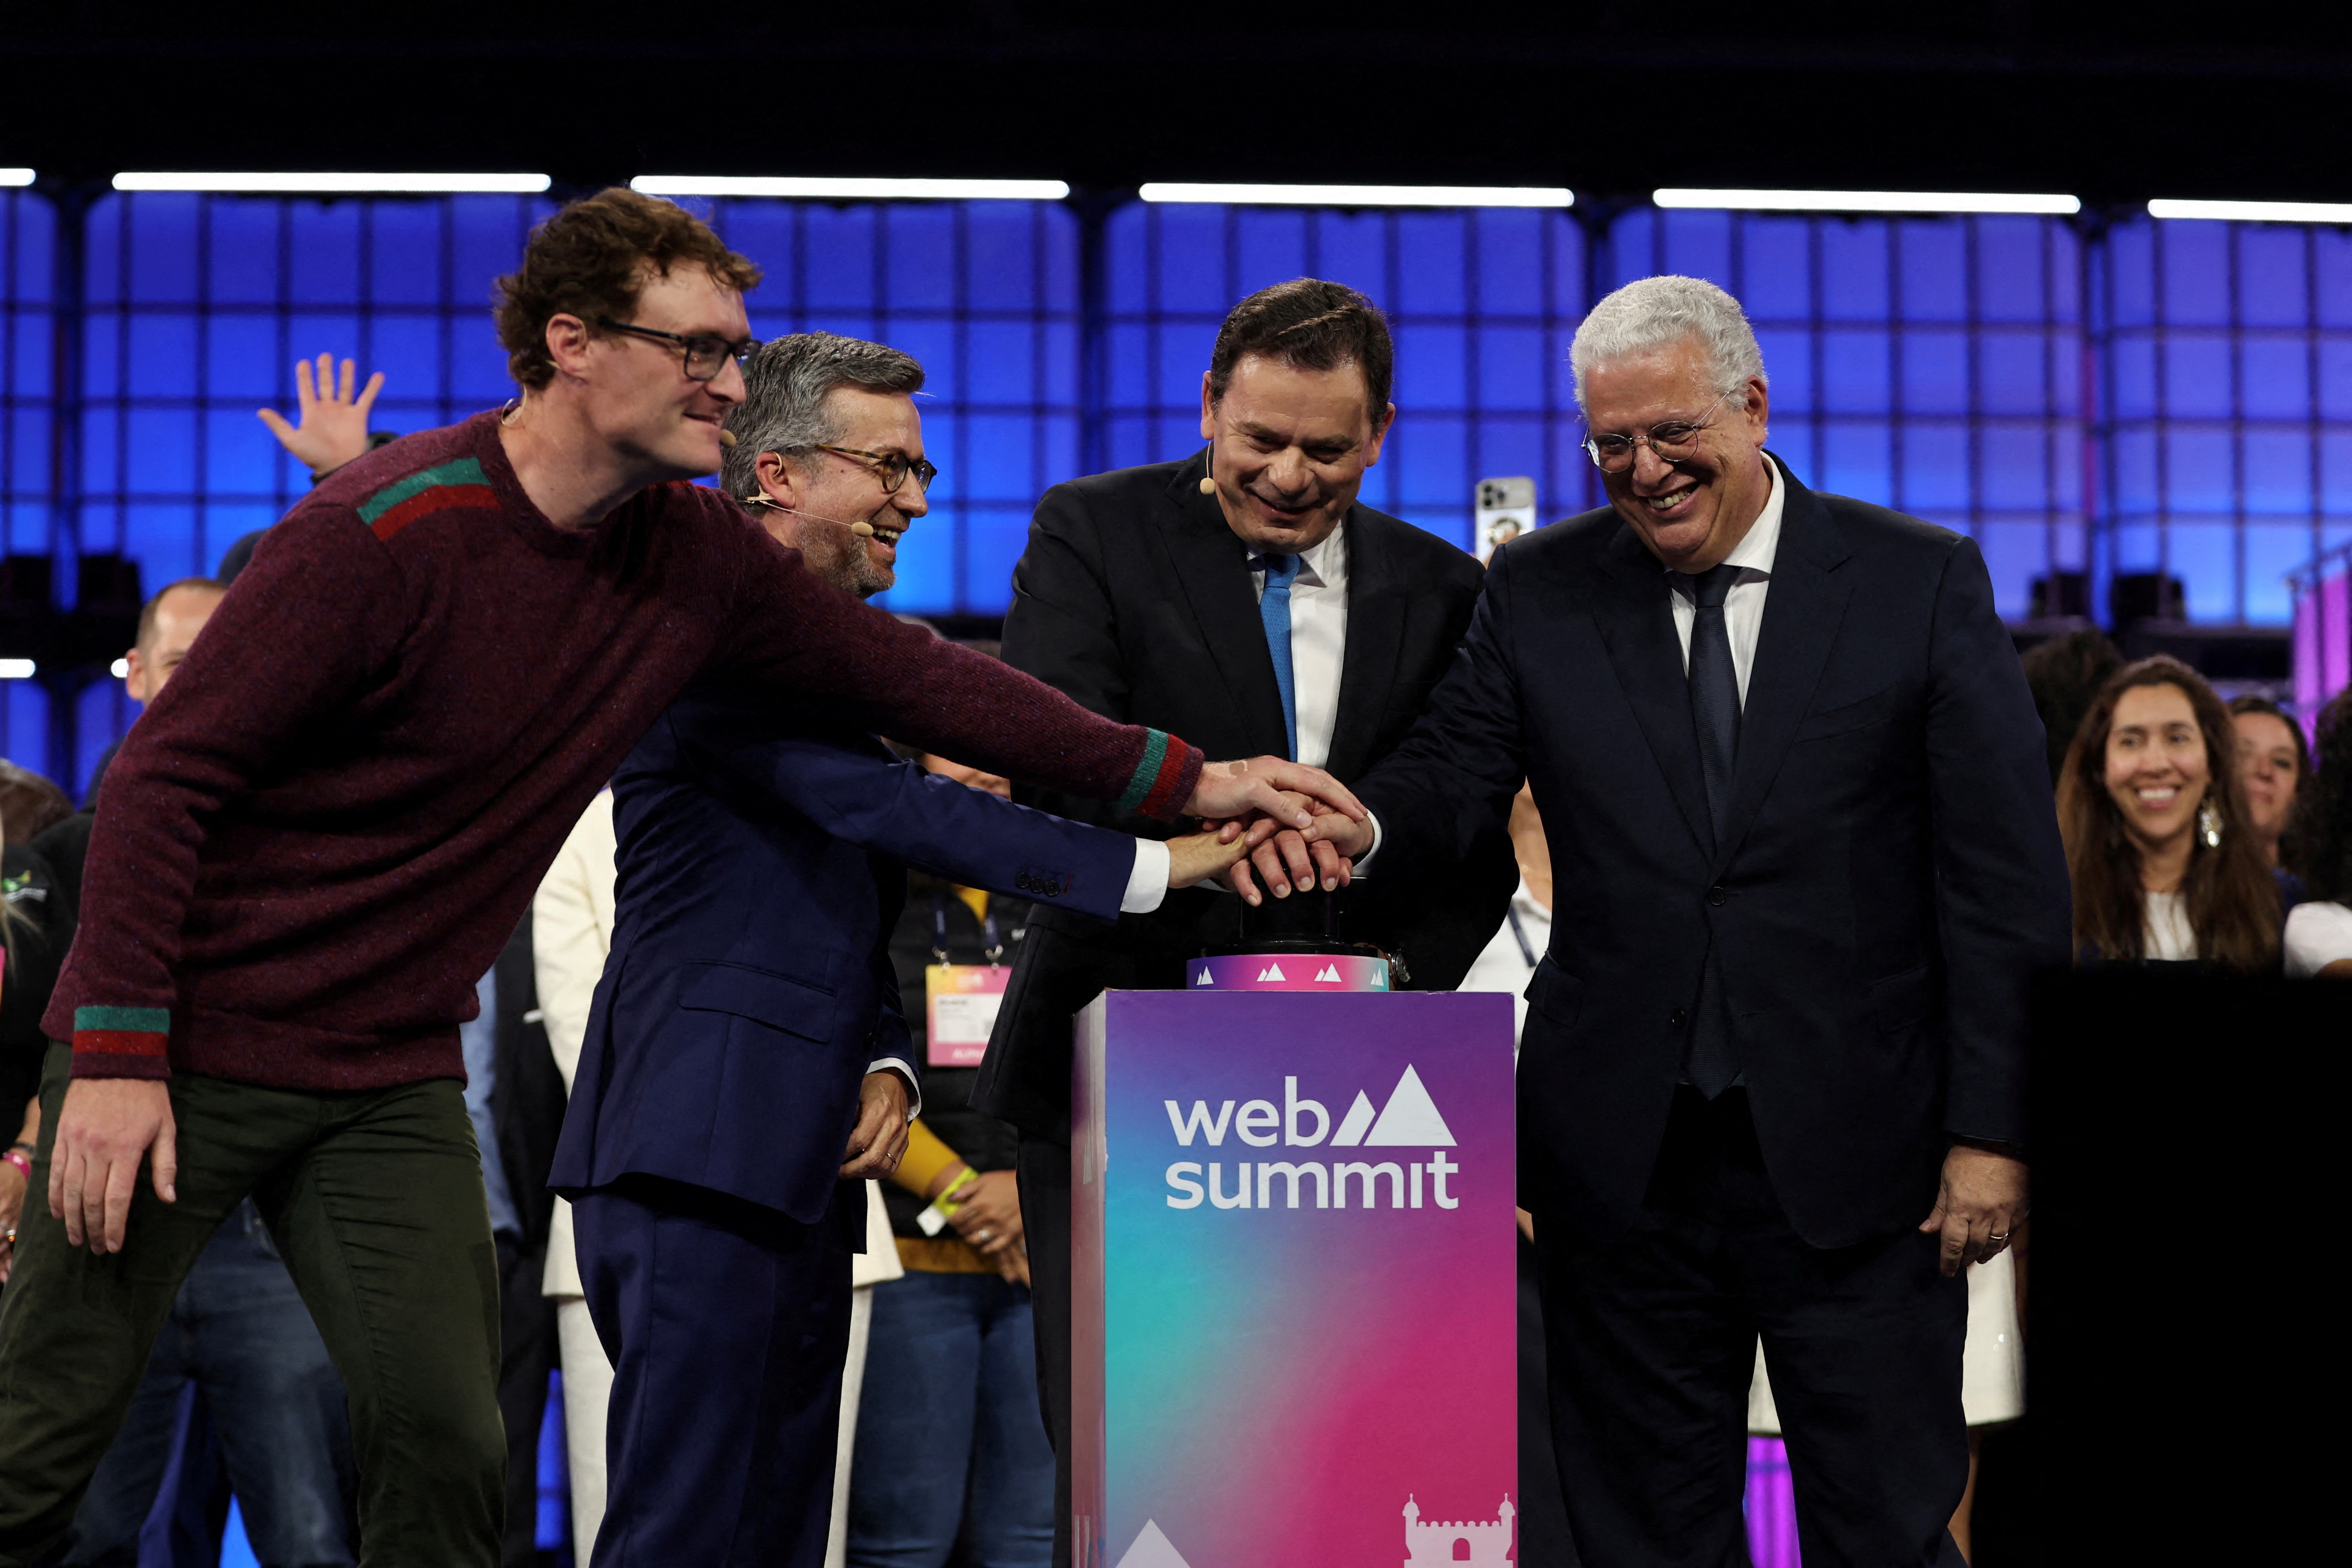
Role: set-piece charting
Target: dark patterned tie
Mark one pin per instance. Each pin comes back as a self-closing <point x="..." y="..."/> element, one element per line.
<point x="1712" y="1061"/>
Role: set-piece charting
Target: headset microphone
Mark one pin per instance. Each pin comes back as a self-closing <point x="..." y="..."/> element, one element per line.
<point x="862" y="529"/>
<point x="726" y="436"/>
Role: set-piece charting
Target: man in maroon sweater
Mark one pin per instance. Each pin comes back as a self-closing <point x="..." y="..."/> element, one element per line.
<point x="325" y="828"/>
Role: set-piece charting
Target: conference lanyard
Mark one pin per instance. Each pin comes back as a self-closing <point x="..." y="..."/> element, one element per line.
<point x="962" y="1000"/>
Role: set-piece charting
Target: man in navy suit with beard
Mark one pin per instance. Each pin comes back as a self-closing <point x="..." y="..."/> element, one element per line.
<point x="1804" y="859"/>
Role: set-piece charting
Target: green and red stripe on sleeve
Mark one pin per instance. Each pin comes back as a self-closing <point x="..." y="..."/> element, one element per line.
<point x="458" y="483"/>
<point x="122" y="1042"/>
<point x="1163" y="779"/>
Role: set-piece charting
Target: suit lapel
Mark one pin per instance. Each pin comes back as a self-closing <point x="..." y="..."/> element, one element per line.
<point x="1637" y="623"/>
<point x="1802" y="611"/>
<point x="1376" y="616"/>
<point x="1212" y="569"/>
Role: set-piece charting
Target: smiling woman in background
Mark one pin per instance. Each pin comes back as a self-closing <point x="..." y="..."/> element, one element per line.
<point x="2167" y="866"/>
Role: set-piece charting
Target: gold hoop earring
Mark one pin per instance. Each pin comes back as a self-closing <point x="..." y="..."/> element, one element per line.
<point x="2209" y="824"/>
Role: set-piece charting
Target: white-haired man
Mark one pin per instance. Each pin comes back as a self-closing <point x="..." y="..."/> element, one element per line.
<point x="1804" y="860"/>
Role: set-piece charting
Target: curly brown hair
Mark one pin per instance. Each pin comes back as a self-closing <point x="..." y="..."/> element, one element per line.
<point x="592" y="260"/>
<point x="2232" y="901"/>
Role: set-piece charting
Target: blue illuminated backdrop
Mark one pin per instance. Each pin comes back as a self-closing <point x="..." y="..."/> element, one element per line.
<point x="2170" y="396"/>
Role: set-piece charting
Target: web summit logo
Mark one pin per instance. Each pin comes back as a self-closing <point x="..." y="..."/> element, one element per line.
<point x="1409" y="1121"/>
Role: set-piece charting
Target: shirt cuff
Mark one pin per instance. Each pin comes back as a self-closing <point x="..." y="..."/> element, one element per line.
<point x="914" y="1085"/>
<point x="1364" y="862"/>
<point x="1147" y="880"/>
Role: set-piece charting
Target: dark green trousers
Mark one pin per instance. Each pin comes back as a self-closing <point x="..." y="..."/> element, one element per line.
<point x="374" y="1198"/>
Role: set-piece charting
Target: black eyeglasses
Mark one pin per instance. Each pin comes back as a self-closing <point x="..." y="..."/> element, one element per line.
<point x="891" y="468"/>
<point x="705" y="356"/>
<point x="1673" y="441"/>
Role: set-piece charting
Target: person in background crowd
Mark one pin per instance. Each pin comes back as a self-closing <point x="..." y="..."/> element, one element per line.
<point x="168" y="624"/>
<point x="1508" y="964"/>
<point x="265" y="1417"/>
<point x="2065" y="674"/>
<point x="759" y="878"/>
<point x="30" y="804"/>
<point x="2274" y="764"/>
<point x="571" y="930"/>
<point x="449" y="639"/>
<point x="951" y="1455"/>
<point x="2166" y="866"/>
<point x="514" y="1097"/>
<point x="1804" y="868"/>
<point x="35" y="929"/>
<point x="1245" y="594"/>
<point x="2323" y="837"/>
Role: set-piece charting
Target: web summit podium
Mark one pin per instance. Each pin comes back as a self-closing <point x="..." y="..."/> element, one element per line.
<point x="1293" y="1281"/>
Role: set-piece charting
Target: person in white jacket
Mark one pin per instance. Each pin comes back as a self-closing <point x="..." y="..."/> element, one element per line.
<point x="572" y="932"/>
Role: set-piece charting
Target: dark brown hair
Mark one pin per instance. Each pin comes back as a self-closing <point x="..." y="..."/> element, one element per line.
<point x="2065" y="674"/>
<point x="2233" y="902"/>
<point x="2289" y="840"/>
<point x="1310" y="325"/>
<point x="2323" y="811"/>
<point x="591" y="259"/>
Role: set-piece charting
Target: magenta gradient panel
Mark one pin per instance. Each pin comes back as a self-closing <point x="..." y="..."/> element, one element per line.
<point x="1274" y="1363"/>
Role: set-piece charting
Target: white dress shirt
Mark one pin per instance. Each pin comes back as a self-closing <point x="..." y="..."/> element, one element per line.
<point x="1743" y="608"/>
<point x="1319" y="640"/>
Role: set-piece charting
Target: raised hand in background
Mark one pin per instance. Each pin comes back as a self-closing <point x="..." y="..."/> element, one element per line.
<point x="333" y="427"/>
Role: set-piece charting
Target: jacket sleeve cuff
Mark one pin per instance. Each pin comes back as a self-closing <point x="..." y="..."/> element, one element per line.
<point x="122" y="1042"/>
<point x="1165" y="777"/>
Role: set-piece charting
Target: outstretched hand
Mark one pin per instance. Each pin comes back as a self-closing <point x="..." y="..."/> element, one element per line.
<point x="1257" y="785"/>
<point x="334" y="425"/>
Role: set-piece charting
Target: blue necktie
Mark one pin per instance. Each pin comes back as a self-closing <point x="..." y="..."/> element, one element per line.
<point x="1712" y="1059"/>
<point x="1273" y="611"/>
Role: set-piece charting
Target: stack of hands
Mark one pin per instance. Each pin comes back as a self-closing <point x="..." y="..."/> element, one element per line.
<point x="1269" y="825"/>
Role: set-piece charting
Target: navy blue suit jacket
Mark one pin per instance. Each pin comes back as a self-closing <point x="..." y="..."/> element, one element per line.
<point x="762" y="867"/>
<point x="1889" y="876"/>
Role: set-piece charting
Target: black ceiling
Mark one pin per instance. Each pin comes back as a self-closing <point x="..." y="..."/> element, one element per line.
<point x="2112" y="102"/>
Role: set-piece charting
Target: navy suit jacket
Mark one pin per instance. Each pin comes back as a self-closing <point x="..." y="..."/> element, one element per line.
<point x="1889" y="877"/>
<point x="762" y="867"/>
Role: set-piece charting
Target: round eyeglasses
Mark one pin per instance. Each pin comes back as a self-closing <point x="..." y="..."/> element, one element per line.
<point x="1674" y="441"/>
<point x="890" y="468"/>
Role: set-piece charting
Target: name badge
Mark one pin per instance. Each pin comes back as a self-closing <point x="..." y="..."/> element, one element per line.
<point x="962" y="1000"/>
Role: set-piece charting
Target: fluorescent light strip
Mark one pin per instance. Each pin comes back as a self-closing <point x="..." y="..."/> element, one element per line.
<point x="1365" y="195"/>
<point x="1868" y="200"/>
<point x="17" y="670"/>
<point x="2256" y="212"/>
<point x="816" y="189"/>
<point x="258" y="183"/>
<point x="15" y="176"/>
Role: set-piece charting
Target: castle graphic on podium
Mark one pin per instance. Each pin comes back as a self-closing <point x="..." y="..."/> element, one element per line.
<point x="1428" y="1543"/>
<point x="1432" y="1541"/>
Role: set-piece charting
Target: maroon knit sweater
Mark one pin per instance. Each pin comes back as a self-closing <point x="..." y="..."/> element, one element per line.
<point x="313" y="844"/>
